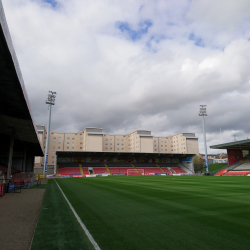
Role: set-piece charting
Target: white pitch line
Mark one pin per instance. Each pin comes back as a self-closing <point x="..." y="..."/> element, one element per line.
<point x="80" y="222"/>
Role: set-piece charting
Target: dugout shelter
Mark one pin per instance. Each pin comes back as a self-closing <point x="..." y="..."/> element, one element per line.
<point x="19" y="142"/>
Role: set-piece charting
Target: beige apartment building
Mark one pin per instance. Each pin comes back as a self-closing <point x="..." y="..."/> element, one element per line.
<point x="93" y="139"/>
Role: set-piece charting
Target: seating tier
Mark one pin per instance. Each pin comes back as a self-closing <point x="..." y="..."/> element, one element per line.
<point x="85" y="170"/>
<point x="237" y="173"/>
<point x="178" y="170"/>
<point x="166" y="170"/>
<point x="149" y="170"/>
<point x="119" y="170"/>
<point x="69" y="171"/>
<point x="244" y="166"/>
<point x="100" y="170"/>
<point x="222" y="172"/>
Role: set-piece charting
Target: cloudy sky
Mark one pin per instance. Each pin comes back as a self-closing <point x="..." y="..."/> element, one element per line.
<point x="136" y="64"/>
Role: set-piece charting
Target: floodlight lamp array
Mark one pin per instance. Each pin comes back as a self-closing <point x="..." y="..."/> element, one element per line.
<point x="51" y="98"/>
<point x="203" y="110"/>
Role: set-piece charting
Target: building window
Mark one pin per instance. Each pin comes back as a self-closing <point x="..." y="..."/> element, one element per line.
<point x="59" y="142"/>
<point x="73" y="148"/>
<point x="59" y="147"/>
<point x="122" y="148"/>
<point x="75" y="134"/>
<point x="67" y="142"/>
<point x="54" y="147"/>
<point x="54" y="137"/>
<point x="73" y="143"/>
<point x="59" y="138"/>
<point x="106" y="143"/>
<point x="106" y="148"/>
<point x="52" y="133"/>
<point x="68" y="138"/>
<point x="67" y="147"/>
<point x="53" y="152"/>
<point x="117" y="144"/>
<point x="80" y="147"/>
<point x="54" y="142"/>
<point x="53" y="156"/>
<point x="73" y="138"/>
<point x="106" y="139"/>
<point x="110" y="148"/>
<point x="117" y="139"/>
<point x="110" y="143"/>
<point x="117" y="148"/>
<point x="110" y="139"/>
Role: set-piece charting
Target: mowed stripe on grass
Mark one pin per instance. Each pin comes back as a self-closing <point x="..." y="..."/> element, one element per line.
<point x="163" y="212"/>
<point x="57" y="227"/>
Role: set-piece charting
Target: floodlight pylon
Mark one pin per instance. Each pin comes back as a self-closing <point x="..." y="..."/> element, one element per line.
<point x="203" y="113"/>
<point x="50" y="101"/>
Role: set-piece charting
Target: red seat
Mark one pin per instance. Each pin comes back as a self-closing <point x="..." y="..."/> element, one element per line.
<point x="69" y="171"/>
<point x="178" y="170"/>
<point x="100" y="170"/>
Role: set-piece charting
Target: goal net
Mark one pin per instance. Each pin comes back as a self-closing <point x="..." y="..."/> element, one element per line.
<point x="135" y="171"/>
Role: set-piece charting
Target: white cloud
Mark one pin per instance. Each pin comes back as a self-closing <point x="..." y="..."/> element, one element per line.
<point x="194" y="53"/>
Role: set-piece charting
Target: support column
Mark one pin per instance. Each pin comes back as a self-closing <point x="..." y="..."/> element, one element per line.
<point x="55" y="166"/>
<point x="24" y="160"/>
<point x="10" y="156"/>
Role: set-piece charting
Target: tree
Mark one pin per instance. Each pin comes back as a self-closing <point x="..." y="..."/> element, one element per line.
<point x="196" y="160"/>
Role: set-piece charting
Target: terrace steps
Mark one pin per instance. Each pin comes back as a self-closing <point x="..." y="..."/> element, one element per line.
<point x="135" y="168"/>
<point x="106" y="166"/>
<point x="81" y="170"/>
<point x="160" y="168"/>
<point x="181" y="168"/>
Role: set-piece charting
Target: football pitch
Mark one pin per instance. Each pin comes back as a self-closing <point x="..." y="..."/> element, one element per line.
<point x="151" y="212"/>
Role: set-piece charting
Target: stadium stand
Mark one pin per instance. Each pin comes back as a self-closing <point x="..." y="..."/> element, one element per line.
<point x="69" y="165"/>
<point x="18" y="134"/>
<point x="119" y="170"/>
<point x="100" y="170"/>
<point x="189" y="171"/>
<point x="166" y="170"/>
<point x="69" y="171"/>
<point x="85" y="170"/>
<point x="239" y="173"/>
<point x="119" y="164"/>
<point x="93" y="164"/>
<point x="178" y="170"/>
<point x="144" y="164"/>
<point x="244" y="166"/>
<point x="222" y="172"/>
<point x="150" y="170"/>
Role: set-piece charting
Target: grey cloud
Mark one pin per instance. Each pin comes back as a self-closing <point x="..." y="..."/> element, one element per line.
<point x="105" y="80"/>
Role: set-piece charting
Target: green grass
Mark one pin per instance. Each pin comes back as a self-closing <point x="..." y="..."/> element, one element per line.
<point x="57" y="227"/>
<point x="215" y="166"/>
<point x="160" y="212"/>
